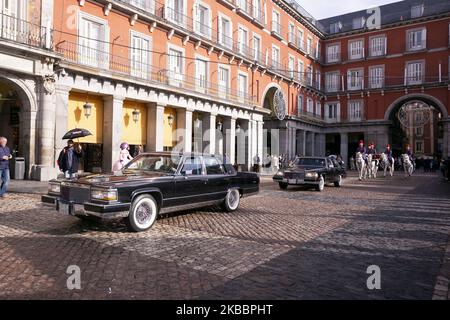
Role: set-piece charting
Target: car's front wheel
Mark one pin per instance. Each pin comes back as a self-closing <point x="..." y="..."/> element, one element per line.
<point x="283" y="185"/>
<point x="321" y="185"/>
<point x="232" y="200"/>
<point x="338" y="182"/>
<point x="143" y="214"/>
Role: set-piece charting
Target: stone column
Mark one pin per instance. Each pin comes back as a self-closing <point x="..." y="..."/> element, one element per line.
<point x="313" y="142"/>
<point x="304" y="143"/>
<point x="260" y="133"/>
<point x="184" y="130"/>
<point x="155" y="127"/>
<point x="209" y="133"/>
<point x="62" y="103"/>
<point x="112" y="130"/>
<point x="344" y="147"/>
<point x="229" y="127"/>
<point x="254" y="125"/>
<point x="45" y="169"/>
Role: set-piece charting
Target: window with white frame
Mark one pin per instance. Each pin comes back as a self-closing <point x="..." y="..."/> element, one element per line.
<point x="276" y="22"/>
<point x="416" y="39"/>
<point x="333" y="53"/>
<point x="242" y="40"/>
<point x="300" y="68"/>
<point x="275" y="54"/>
<point x="257" y="50"/>
<point x="335" y="27"/>
<point x="225" y="31"/>
<point x="332" y="81"/>
<point x="224" y="81"/>
<point x="415" y="72"/>
<point x="376" y="77"/>
<point x="309" y="76"/>
<point x="140" y="55"/>
<point x="258" y="11"/>
<point x="176" y="66"/>
<point x="419" y="131"/>
<point x="310" y="105"/>
<point x="175" y="11"/>
<point x="201" y="74"/>
<point x="203" y="19"/>
<point x="359" y="22"/>
<point x="309" y="45"/>
<point x="291" y="66"/>
<point x="355" y="79"/>
<point x="417" y="11"/>
<point x="318" y="79"/>
<point x="300" y="38"/>
<point x="92" y="48"/>
<point x="419" y="147"/>
<point x="242" y="86"/>
<point x="318" y="109"/>
<point x="291" y="32"/>
<point x="378" y="46"/>
<point x="148" y="6"/>
<point x="355" y="110"/>
<point x="356" y="49"/>
<point x="332" y="112"/>
<point x="299" y="104"/>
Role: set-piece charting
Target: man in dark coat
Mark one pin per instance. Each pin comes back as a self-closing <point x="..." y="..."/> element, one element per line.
<point x="69" y="160"/>
<point x="5" y="156"/>
<point x="388" y="153"/>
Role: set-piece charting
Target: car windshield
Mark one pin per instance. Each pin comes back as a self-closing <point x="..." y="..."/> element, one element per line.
<point x="155" y="163"/>
<point x="314" y="162"/>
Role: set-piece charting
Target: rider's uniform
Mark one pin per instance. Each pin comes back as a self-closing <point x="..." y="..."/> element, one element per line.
<point x="388" y="153"/>
<point x="363" y="151"/>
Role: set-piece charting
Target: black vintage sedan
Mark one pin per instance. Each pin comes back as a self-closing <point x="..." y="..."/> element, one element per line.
<point x="311" y="171"/>
<point x="152" y="184"/>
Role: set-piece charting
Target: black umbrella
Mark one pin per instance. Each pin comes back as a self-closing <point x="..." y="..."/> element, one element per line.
<point x="76" y="133"/>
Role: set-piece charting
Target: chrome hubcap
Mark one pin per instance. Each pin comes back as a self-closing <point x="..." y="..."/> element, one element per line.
<point x="233" y="199"/>
<point x="144" y="214"/>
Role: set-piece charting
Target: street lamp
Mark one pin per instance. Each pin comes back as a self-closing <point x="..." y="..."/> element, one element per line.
<point x="87" y="107"/>
<point x="170" y="120"/>
<point x="136" y="115"/>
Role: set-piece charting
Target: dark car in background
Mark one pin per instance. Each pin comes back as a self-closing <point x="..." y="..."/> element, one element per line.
<point x="152" y="184"/>
<point x="311" y="171"/>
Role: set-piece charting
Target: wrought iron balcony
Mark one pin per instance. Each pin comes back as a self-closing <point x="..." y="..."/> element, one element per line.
<point x="20" y="31"/>
<point x="144" y="71"/>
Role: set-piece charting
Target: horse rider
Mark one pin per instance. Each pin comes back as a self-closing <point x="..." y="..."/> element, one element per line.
<point x="410" y="155"/>
<point x="371" y="150"/>
<point x="361" y="149"/>
<point x="388" y="153"/>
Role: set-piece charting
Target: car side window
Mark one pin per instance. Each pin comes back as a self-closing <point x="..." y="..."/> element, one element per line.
<point x="330" y="163"/>
<point x="192" y="167"/>
<point x="213" y="166"/>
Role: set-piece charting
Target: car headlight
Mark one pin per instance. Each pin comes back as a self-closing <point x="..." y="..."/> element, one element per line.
<point x="280" y="173"/>
<point x="54" y="188"/>
<point x="313" y="175"/>
<point x="104" y="194"/>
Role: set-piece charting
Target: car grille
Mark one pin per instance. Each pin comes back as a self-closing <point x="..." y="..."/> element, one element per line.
<point x="75" y="192"/>
<point x="294" y="175"/>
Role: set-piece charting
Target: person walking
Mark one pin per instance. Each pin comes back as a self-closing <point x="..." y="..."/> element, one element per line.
<point x="69" y="159"/>
<point x="5" y="156"/>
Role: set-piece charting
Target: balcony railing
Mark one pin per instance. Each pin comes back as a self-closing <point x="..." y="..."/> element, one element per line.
<point x="124" y="66"/>
<point x="333" y="57"/>
<point x="309" y="115"/>
<point x="24" y="32"/>
<point x="420" y="45"/>
<point x="276" y="29"/>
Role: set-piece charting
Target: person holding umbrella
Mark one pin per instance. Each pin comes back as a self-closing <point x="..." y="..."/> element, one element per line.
<point x="69" y="159"/>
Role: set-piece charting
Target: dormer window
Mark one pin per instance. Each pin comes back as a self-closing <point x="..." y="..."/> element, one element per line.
<point x="335" y="27"/>
<point x="417" y="11"/>
<point x="358" y="23"/>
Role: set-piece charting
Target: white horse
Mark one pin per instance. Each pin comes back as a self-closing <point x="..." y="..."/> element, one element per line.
<point x="407" y="165"/>
<point x="360" y="165"/>
<point x="371" y="167"/>
<point x="387" y="165"/>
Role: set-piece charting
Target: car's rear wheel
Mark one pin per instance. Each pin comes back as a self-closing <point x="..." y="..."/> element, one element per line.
<point x="143" y="214"/>
<point x="338" y="182"/>
<point x="232" y="200"/>
<point x="283" y="185"/>
<point x="321" y="185"/>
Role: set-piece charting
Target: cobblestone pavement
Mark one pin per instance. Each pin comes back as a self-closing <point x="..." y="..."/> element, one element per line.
<point x="294" y="244"/>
